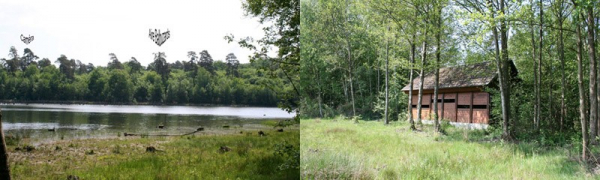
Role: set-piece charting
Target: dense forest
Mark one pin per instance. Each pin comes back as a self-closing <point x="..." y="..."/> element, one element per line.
<point x="199" y="80"/>
<point x="357" y="54"/>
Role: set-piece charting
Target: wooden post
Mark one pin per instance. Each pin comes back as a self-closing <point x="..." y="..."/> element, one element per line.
<point x="443" y="98"/>
<point x="456" y="108"/>
<point x="488" y="108"/>
<point x="471" y="110"/>
<point x="4" y="169"/>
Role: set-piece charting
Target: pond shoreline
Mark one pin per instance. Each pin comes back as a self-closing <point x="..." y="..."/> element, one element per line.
<point x="16" y="139"/>
<point x="112" y="103"/>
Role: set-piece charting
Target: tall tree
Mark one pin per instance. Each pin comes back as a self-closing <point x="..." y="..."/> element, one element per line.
<point x="560" y="8"/>
<point x="232" y="65"/>
<point x="114" y="62"/>
<point x="425" y="10"/>
<point x="80" y="67"/>
<point x="12" y="64"/>
<point x="135" y="66"/>
<point x="28" y="58"/>
<point x="44" y="62"/>
<point x="438" y="34"/>
<point x="206" y="61"/>
<point x="161" y="66"/>
<point x="589" y="7"/>
<point x="345" y="30"/>
<point x="67" y="67"/>
<point x="537" y="103"/>
<point x="493" y="15"/>
<point x="191" y="64"/>
<point x="387" y="64"/>
<point x="504" y="72"/>
<point x="539" y="63"/>
<point x="410" y="90"/>
<point x="582" y="99"/>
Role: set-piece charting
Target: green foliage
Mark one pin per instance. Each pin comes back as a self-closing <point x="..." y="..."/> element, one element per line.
<point x="119" y="86"/>
<point x="344" y="54"/>
<point x="290" y="154"/>
<point x="130" y="83"/>
<point x="282" y="20"/>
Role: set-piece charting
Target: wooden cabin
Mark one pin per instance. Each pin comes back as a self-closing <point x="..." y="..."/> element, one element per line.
<point x="461" y="98"/>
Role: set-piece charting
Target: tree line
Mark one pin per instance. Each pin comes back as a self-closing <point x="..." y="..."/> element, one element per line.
<point x="356" y="55"/>
<point x="199" y="80"/>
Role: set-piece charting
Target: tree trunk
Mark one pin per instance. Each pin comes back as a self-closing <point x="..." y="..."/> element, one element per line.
<point x="320" y="94"/>
<point x="505" y="81"/>
<point x="410" y="78"/>
<point x="350" y="77"/>
<point x="4" y="169"/>
<point x="582" y="103"/>
<point x="349" y="51"/>
<point x="503" y="67"/>
<point x="561" y="56"/>
<point x="351" y="88"/>
<point x="536" y="106"/>
<point x="437" y="69"/>
<point x="593" y="85"/>
<point x="422" y="76"/>
<point x="420" y="96"/>
<point x="540" y="57"/>
<point x="387" y="49"/>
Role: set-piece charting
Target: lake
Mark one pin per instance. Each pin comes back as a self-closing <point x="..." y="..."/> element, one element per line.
<point x="53" y="121"/>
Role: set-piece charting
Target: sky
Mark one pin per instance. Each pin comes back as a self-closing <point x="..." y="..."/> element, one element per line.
<point x="89" y="30"/>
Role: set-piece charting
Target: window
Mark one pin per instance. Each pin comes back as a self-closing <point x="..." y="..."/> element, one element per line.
<point x="445" y="100"/>
<point x="449" y="100"/>
<point x="422" y="106"/>
<point x="479" y="106"/>
<point x="463" y="106"/>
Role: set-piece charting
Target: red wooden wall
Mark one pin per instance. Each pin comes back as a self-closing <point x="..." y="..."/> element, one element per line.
<point x="464" y="107"/>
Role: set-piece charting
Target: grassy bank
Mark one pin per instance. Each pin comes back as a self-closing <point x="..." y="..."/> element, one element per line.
<point x="340" y="149"/>
<point x="250" y="156"/>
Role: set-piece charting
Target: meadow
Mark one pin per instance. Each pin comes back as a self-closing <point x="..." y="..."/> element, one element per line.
<point x="340" y="149"/>
<point x="247" y="156"/>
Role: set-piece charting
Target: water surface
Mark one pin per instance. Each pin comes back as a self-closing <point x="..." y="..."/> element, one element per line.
<point x="53" y="121"/>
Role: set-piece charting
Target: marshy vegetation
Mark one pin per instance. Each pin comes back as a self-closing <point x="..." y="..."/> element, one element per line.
<point x="249" y="156"/>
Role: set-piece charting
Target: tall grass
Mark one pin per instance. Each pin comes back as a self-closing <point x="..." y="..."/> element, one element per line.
<point x="341" y="149"/>
<point x="192" y="157"/>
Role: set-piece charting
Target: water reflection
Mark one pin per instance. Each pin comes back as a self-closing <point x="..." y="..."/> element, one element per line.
<point x="84" y="121"/>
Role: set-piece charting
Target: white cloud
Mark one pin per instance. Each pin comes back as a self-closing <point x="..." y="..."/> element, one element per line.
<point x="90" y="30"/>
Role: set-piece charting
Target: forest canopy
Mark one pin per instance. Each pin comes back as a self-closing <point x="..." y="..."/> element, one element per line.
<point x="198" y="80"/>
